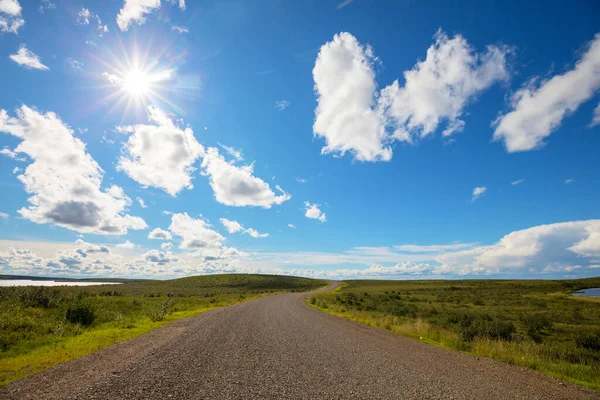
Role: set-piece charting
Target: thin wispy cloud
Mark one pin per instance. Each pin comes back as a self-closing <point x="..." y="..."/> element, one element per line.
<point x="28" y="59"/>
<point x="518" y="181"/>
<point x="282" y="104"/>
<point x="478" y="192"/>
<point x="344" y="4"/>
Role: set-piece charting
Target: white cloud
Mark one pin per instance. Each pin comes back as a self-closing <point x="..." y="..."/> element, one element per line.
<point x="478" y="191"/>
<point x="237" y="186"/>
<point x="346" y="93"/>
<point x="180" y="29"/>
<point x="231" y="226"/>
<point x="76" y="65"/>
<point x="4" y="215"/>
<point x="538" y="110"/>
<point x="63" y="179"/>
<point x="255" y="234"/>
<point x="518" y="181"/>
<point x="282" y="104"/>
<point x="569" y="181"/>
<point x="10" y="16"/>
<point x="596" y="117"/>
<point x="126" y="245"/>
<point x="197" y="235"/>
<point x="433" y="248"/>
<point x="166" y="246"/>
<point x="160" y="155"/>
<point x="313" y="212"/>
<point x="84" y="16"/>
<point x="234" y="226"/>
<point x="160" y="234"/>
<point x="301" y="180"/>
<point x="571" y="248"/>
<point x="292" y="226"/>
<point x="141" y="201"/>
<point x="113" y="79"/>
<point x="232" y="151"/>
<point x="353" y="117"/>
<point x="343" y="4"/>
<point x="136" y="10"/>
<point x="554" y="245"/>
<point x="45" y="5"/>
<point x="28" y="59"/>
<point x="440" y="87"/>
<point x="10" y="7"/>
<point x="11" y="154"/>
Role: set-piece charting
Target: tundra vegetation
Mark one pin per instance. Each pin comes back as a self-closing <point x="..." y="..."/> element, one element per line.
<point x="43" y="326"/>
<point x="534" y="324"/>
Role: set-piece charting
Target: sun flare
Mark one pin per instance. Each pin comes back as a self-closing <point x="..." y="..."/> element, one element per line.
<point x="137" y="83"/>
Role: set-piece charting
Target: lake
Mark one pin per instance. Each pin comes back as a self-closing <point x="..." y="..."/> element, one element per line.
<point x="592" y="292"/>
<point x="29" y="282"/>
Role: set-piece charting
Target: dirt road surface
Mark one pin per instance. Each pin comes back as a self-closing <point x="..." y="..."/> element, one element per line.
<point x="279" y="348"/>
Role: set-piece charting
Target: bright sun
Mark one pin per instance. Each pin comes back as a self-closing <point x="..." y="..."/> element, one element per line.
<point x="137" y="83"/>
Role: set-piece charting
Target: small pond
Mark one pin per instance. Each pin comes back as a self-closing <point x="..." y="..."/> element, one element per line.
<point x="29" y="282"/>
<point x="592" y="292"/>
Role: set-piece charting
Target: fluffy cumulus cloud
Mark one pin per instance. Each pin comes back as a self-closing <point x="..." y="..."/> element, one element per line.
<point x="195" y="233"/>
<point x="478" y="192"/>
<point x="161" y="155"/>
<point x="64" y="181"/>
<point x="136" y="11"/>
<point x="28" y="59"/>
<point x="127" y="245"/>
<point x="160" y="234"/>
<point x="236" y="185"/>
<point x="538" y="109"/>
<point x="553" y="248"/>
<point x="10" y="16"/>
<point x="231" y="226"/>
<point x="346" y="95"/>
<point x="440" y="87"/>
<point x="314" y="212"/>
<point x="353" y="116"/>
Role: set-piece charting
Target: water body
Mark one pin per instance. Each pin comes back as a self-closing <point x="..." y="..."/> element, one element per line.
<point x="593" y="292"/>
<point x="29" y="282"/>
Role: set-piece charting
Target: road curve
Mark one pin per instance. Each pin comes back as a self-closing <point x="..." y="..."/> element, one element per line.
<point x="279" y="348"/>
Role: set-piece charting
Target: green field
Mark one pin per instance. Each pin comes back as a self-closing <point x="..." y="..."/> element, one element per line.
<point x="535" y="324"/>
<point x="43" y="326"/>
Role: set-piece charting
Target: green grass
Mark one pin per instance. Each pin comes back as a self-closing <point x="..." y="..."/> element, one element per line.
<point x="41" y="326"/>
<point x="534" y="324"/>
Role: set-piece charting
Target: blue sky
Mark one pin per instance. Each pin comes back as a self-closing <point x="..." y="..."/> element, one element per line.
<point x="378" y="141"/>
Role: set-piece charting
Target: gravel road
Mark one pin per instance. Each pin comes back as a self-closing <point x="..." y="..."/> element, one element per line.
<point x="279" y="348"/>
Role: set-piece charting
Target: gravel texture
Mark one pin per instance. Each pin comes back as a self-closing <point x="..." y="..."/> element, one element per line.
<point x="279" y="348"/>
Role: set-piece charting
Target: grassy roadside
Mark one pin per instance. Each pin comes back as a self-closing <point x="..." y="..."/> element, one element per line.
<point x="41" y="327"/>
<point x="534" y="324"/>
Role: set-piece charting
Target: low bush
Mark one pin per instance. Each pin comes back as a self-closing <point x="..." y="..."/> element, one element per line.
<point x="80" y="311"/>
<point x="588" y="341"/>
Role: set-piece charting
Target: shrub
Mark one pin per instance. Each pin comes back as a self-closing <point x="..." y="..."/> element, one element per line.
<point x="535" y="324"/>
<point x="80" y="312"/>
<point x="159" y="314"/>
<point x="588" y="341"/>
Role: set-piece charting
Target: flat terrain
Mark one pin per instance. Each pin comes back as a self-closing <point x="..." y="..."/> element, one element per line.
<point x="537" y="324"/>
<point x="41" y="327"/>
<point x="279" y="348"/>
